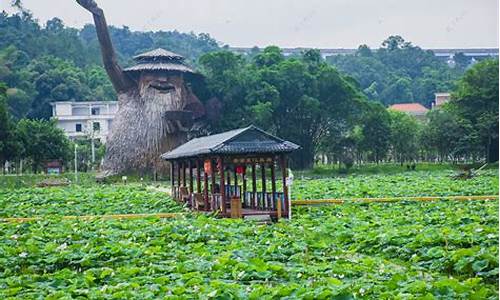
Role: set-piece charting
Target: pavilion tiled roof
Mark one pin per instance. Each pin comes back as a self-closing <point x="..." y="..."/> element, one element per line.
<point x="248" y="140"/>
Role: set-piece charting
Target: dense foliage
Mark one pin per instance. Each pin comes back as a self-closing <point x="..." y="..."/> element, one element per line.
<point x="300" y="99"/>
<point x="400" y="72"/>
<point x="303" y="98"/>
<point x="443" y="250"/>
<point x="476" y="106"/>
<point x="53" y="62"/>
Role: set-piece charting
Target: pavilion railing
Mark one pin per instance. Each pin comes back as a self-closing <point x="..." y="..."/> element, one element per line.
<point x="261" y="200"/>
<point x="258" y="201"/>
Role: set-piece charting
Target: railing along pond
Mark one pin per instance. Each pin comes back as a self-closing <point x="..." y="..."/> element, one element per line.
<point x="265" y="201"/>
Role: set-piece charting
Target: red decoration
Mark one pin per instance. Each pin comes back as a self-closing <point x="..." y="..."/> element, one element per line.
<point x="240" y="169"/>
<point x="208" y="167"/>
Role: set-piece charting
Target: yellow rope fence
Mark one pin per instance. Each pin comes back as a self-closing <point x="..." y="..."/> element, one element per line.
<point x="103" y="217"/>
<point x="393" y="199"/>
<point x="294" y="203"/>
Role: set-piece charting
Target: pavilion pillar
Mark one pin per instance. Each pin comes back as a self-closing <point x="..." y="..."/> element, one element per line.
<point x="263" y="177"/>
<point x="254" y="186"/>
<point x="244" y="185"/>
<point x="213" y="175"/>
<point x="172" y="178"/>
<point x="178" y="179"/>
<point x="285" y="187"/>
<point x="184" y="174"/>
<point x="235" y="181"/>
<point x="205" y="188"/>
<point x="198" y="176"/>
<point x="273" y="185"/>
<point x="229" y="183"/>
<point x="190" y="164"/>
<point x="222" y="189"/>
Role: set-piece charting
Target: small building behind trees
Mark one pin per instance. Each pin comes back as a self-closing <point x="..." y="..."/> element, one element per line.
<point x="416" y="110"/>
<point x="237" y="173"/>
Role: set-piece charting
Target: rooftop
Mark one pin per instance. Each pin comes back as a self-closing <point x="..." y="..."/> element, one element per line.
<point x="84" y="102"/>
<point x="409" y="107"/>
<point x="248" y="140"/>
<point x="158" y="53"/>
<point x="160" y="60"/>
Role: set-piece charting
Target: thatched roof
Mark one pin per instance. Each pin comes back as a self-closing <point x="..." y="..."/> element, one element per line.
<point x="159" y="53"/>
<point x="248" y="140"/>
<point x="160" y="60"/>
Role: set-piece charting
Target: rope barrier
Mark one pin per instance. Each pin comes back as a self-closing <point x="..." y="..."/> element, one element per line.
<point x="294" y="203"/>
<point x="392" y="199"/>
<point x="104" y="217"/>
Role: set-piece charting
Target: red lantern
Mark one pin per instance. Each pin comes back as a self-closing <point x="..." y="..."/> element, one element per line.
<point x="208" y="167"/>
<point x="240" y="169"/>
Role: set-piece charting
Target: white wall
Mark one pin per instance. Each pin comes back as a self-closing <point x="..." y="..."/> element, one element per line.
<point x="63" y="109"/>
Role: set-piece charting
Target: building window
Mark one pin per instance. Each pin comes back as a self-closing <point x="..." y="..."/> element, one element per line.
<point x="96" y="126"/>
<point x="78" y="127"/>
<point x="95" y="111"/>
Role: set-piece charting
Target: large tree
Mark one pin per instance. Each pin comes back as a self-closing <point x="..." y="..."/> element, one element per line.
<point x="301" y="99"/>
<point x="376" y="130"/>
<point x="405" y="130"/>
<point x="42" y="140"/>
<point x="398" y="72"/>
<point x="476" y="102"/>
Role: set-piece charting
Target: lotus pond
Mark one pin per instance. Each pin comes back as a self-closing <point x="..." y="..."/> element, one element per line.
<point x="403" y="250"/>
<point x="418" y="183"/>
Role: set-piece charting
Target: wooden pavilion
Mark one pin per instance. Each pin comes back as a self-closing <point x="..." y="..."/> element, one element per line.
<point x="200" y="167"/>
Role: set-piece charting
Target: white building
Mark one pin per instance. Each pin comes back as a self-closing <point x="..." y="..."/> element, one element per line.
<point x="85" y="119"/>
<point x="440" y="99"/>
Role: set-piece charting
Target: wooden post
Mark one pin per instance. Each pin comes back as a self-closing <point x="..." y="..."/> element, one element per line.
<point x="213" y="175"/>
<point x="228" y="183"/>
<point x="205" y="188"/>
<point x="263" y="175"/>
<point x="183" y="174"/>
<point x="198" y="176"/>
<point x="235" y="181"/>
<point x="172" y="178"/>
<point x="285" y="188"/>
<point x="222" y="186"/>
<point x="191" y="190"/>
<point x="254" y="186"/>
<point x="244" y="187"/>
<point x="178" y="178"/>
<point x="273" y="185"/>
<point x="278" y="209"/>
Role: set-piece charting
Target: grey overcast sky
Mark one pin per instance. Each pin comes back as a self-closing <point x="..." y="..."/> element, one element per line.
<point x="297" y="23"/>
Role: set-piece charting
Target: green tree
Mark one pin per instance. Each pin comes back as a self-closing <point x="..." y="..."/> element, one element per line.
<point x="42" y="140"/>
<point x="301" y="99"/>
<point x="398" y="72"/>
<point x="445" y="135"/>
<point x="461" y="61"/>
<point x="376" y="132"/>
<point x="404" y="136"/>
<point x="476" y="102"/>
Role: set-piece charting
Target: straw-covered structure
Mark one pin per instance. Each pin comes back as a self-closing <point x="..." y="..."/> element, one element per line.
<point x="160" y="60"/>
